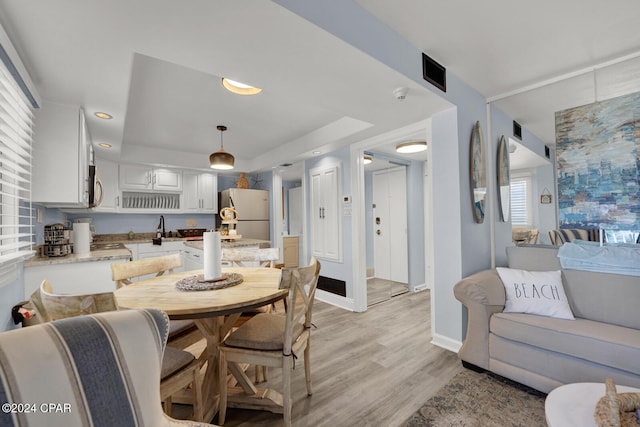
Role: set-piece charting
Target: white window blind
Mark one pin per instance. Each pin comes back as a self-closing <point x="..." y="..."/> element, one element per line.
<point x="521" y="200"/>
<point x="16" y="130"/>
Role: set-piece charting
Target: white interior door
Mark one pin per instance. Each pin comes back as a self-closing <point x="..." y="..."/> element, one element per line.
<point x="390" y="225"/>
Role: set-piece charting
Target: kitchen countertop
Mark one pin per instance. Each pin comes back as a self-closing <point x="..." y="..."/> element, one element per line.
<point x="95" y="255"/>
<point x="238" y="243"/>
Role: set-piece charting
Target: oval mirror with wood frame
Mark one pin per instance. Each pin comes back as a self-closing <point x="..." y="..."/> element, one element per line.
<point x="478" y="172"/>
<point x="504" y="180"/>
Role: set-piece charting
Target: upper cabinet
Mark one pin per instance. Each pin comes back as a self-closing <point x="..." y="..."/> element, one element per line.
<point x="325" y="220"/>
<point x="61" y="156"/>
<point x="107" y="185"/>
<point x="200" y="192"/>
<point x="141" y="178"/>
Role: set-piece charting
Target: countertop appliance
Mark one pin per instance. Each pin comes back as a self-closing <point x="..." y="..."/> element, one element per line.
<point x="253" y="211"/>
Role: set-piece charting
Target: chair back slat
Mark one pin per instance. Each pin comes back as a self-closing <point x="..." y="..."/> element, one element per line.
<point x="123" y="272"/>
<point x="240" y="257"/>
<point x="62" y="306"/>
<point x="301" y="283"/>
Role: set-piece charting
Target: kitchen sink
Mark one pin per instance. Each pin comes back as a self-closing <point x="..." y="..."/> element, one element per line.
<point x="104" y="246"/>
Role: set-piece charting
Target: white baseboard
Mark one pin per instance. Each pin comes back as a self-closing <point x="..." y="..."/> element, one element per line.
<point x="337" y="300"/>
<point x="446" y="343"/>
<point x="420" y="287"/>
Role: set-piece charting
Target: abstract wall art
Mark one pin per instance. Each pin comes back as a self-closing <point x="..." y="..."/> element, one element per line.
<point x="598" y="164"/>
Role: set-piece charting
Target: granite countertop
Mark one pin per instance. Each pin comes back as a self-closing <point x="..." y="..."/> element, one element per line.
<point x="95" y="255"/>
<point x="238" y="243"/>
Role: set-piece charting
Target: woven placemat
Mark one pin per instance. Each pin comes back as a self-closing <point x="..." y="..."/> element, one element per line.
<point x="197" y="283"/>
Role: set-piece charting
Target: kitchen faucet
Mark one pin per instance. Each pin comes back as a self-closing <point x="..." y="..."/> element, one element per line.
<point x="161" y="226"/>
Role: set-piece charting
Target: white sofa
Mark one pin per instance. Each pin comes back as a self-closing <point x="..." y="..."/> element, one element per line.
<point x="543" y="352"/>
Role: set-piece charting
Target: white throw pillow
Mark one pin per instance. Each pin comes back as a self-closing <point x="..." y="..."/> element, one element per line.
<point x="535" y="292"/>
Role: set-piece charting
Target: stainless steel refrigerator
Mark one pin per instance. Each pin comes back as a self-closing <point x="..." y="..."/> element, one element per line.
<point x="253" y="211"/>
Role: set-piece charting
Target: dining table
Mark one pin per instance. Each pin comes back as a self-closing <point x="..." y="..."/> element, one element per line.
<point x="214" y="312"/>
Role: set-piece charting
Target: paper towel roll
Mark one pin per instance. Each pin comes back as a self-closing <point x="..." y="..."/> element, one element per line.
<point x="212" y="255"/>
<point x="81" y="237"/>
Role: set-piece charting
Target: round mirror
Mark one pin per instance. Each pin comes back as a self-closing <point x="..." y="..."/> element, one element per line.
<point x="504" y="189"/>
<point x="478" y="171"/>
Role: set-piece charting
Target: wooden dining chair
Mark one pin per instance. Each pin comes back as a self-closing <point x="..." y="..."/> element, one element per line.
<point x="249" y="257"/>
<point x="243" y="257"/>
<point x="182" y="333"/>
<point x="180" y="369"/>
<point x="273" y="339"/>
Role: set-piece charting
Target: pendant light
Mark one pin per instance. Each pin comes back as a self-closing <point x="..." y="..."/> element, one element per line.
<point x="221" y="159"/>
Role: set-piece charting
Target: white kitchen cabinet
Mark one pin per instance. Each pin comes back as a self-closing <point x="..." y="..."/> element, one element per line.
<point x="61" y="156"/>
<point x="200" y="192"/>
<point x="144" y="178"/>
<point x="149" y="250"/>
<point x="107" y="176"/>
<point x="324" y="216"/>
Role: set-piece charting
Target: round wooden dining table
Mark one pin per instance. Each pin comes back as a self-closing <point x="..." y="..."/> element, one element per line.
<point x="214" y="311"/>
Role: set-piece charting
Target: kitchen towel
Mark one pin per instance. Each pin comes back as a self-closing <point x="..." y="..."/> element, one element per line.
<point x="212" y="255"/>
<point x="81" y="238"/>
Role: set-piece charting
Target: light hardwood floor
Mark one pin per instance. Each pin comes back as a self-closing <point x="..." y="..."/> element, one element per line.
<point x="368" y="369"/>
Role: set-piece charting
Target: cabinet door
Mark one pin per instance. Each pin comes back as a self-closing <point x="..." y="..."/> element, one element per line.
<point x="107" y="174"/>
<point x="60" y="156"/>
<point x="326" y="223"/>
<point x="167" y="180"/>
<point x="315" y="216"/>
<point x="190" y="192"/>
<point x="207" y="187"/>
<point x="135" y="177"/>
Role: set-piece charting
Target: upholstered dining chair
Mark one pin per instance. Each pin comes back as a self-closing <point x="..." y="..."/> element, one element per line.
<point x="99" y="369"/>
<point x="182" y="333"/>
<point x="180" y="369"/>
<point x="566" y="235"/>
<point x="273" y="339"/>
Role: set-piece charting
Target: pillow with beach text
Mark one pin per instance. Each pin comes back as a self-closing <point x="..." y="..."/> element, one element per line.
<point x="535" y="292"/>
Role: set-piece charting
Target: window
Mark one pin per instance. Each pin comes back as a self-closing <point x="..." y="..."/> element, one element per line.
<point x="16" y="130"/>
<point x="521" y="200"/>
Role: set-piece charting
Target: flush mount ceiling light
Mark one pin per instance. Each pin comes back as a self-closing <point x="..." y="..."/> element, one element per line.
<point x="104" y="116"/>
<point x="411" y="147"/>
<point x="239" y="88"/>
<point x="221" y="159"/>
<point x="367" y="160"/>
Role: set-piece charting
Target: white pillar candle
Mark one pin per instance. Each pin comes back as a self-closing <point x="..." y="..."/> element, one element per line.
<point x="212" y="255"/>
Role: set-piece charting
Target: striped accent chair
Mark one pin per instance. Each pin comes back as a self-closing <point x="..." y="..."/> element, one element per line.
<point x="95" y="370"/>
<point x="566" y="235"/>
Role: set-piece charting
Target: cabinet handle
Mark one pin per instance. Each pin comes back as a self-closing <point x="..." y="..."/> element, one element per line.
<point x="117" y="201"/>
<point x="154" y="179"/>
<point x="320" y="213"/>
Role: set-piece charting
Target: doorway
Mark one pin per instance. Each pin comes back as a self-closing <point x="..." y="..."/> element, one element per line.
<point x="389" y="270"/>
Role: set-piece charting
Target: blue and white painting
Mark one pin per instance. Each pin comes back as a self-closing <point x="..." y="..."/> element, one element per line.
<point x="598" y="164"/>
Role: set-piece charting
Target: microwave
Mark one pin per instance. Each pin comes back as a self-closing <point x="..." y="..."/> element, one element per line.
<point x="94" y="191"/>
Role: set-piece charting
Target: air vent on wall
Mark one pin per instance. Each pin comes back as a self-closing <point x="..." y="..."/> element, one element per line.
<point x="517" y="130"/>
<point x="434" y="73"/>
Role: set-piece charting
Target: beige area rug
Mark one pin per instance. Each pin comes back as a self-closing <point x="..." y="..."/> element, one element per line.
<point x="473" y="399"/>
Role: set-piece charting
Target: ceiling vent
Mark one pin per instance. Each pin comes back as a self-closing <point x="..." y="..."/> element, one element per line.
<point x="434" y="73"/>
<point x="517" y="130"/>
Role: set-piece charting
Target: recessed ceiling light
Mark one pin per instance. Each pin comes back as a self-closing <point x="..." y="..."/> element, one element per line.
<point x="411" y="147"/>
<point x="239" y="88"/>
<point x="104" y="116"/>
<point x="104" y="145"/>
<point x="315" y="153"/>
<point x="367" y="160"/>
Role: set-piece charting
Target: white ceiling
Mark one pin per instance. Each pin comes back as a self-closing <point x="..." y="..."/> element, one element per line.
<point x="155" y="65"/>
